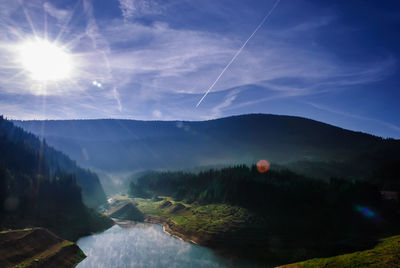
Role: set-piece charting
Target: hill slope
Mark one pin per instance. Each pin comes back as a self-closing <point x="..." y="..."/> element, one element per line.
<point x="49" y="160"/>
<point x="35" y="193"/>
<point x="117" y="145"/>
<point x="127" y="211"/>
<point x="37" y="247"/>
<point x="385" y="254"/>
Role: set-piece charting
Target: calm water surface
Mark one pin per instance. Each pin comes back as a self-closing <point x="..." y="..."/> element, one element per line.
<point x="145" y="245"/>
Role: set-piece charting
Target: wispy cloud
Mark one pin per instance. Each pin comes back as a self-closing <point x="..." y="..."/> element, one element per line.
<point x="157" y="114"/>
<point x="117" y="98"/>
<point x="128" y="8"/>
<point x="147" y="62"/>
<point x="231" y="96"/>
<point x="62" y="15"/>
<point x="167" y="60"/>
<point x="185" y="61"/>
<point x="136" y="8"/>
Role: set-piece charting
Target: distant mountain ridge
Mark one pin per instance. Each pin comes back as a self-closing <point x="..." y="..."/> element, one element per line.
<point x="115" y="144"/>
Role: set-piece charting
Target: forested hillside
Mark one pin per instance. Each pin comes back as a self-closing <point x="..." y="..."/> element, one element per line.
<point x="35" y="191"/>
<point x="48" y="160"/>
<point x="300" y="216"/>
<point x="307" y="146"/>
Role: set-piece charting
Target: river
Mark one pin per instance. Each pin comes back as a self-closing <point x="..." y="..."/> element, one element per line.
<point x="145" y="245"/>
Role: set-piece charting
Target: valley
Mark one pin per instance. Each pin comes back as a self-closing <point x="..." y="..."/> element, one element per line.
<point x="292" y="210"/>
<point x="199" y="134"/>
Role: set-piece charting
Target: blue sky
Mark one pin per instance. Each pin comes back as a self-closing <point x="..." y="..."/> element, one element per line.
<point x="332" y="61"/>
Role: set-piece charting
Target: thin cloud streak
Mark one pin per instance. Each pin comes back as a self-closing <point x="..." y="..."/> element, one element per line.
<point x="117" y="98"/>
<point x="238" y="52"/>
<point x="217" y="110"/>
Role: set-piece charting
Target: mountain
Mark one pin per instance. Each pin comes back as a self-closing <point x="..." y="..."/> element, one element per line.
<point x="50" y="160"/>
<point x="305" y="145"/>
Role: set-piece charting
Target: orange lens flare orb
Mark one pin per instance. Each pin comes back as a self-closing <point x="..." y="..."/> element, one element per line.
<point x="263" y="166"/>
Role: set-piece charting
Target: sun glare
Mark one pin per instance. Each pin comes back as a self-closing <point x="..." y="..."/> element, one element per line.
<point x="45" y="61"/>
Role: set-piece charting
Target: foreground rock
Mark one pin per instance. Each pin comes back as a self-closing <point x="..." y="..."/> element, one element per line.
<point x="127" y="211"/>
<point x="37" y="247"/>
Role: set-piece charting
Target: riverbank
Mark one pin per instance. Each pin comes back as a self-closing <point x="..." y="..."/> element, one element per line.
<point x="212" y="225"/>
<point x="220" y="227"/>
<point x="231" y="231"/>
<point x="173" y="229"/>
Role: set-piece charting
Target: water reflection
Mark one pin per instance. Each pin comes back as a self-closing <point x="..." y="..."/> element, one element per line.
<point x="144" y="245"/>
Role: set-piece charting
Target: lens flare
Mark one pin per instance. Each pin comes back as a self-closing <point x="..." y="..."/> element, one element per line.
<point x="366" y="212"/>
<point x="263" y="166"/>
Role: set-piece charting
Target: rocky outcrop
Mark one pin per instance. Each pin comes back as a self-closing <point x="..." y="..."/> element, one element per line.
<point x="177" y="207"/>
<point x="37" y="247"/>
<point x="165" y="204"/>
<point x="126" y="212"/>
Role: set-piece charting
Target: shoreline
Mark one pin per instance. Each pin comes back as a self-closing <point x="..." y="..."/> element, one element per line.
<point x="168" y="227"/>
<point x="221" y="251"/>
<point x="176" y="236"/>
<point x="172" y="229"/>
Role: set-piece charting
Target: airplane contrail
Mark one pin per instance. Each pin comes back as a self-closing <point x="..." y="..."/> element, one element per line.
<point x="238" y="52"/>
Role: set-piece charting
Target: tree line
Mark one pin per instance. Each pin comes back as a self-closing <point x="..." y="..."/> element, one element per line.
<point x="35" y="192"/>
<point x="325" y="216"/>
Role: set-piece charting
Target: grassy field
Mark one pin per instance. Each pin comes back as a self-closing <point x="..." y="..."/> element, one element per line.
<point x="385" y="254"/>
<point x="209" y="219"/>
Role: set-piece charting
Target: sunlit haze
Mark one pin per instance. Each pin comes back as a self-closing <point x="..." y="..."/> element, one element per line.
<point x="45" y="61"/>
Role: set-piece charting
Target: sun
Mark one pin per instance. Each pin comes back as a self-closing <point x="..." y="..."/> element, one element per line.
<point x="45" y="61"/>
